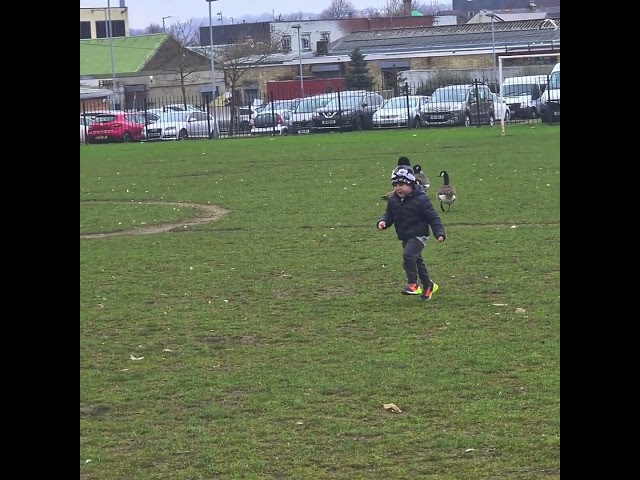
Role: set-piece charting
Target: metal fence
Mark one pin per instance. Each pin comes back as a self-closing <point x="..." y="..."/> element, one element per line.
<point x="423" y="105"/>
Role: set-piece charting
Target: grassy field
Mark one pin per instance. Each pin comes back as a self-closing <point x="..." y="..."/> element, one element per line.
<point x="264" y="344"/>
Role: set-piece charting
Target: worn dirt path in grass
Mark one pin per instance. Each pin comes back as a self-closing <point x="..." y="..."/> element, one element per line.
<point x="203" y="214"/>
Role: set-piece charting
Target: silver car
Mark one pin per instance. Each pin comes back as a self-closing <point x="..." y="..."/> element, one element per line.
<point x="181" y="126"/>
<point x="400" y="111"/>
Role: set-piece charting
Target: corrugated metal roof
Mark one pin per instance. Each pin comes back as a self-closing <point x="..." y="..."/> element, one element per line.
<point x="448" y="37"/>
<point x="88" y="92"/>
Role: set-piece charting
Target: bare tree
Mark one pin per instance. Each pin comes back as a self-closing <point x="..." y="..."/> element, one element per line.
<point x="153" y="28"/>
<point x="396" y="7"/>
<point x="339" y="9"/>
<point x="371" y="12"/>
<point x="237" y="58"/>
<point x="179" y="63"/>
<point x="293" y="17"/>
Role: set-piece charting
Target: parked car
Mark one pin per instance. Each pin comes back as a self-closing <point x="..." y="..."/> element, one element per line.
<point x="400" y="111"/>
<point x="350" y="110"/>
<point x="85" y="121"/>
<point x="116" y="127"/>
<point x="245" y="114"/>
<point x="182" y="126"/>
<point x="460" y="105"/>
<point x="501" y="107"/>
<point x="301" y="117"/>
<point x="274" y="117"/>
<point x="271" y="123"/>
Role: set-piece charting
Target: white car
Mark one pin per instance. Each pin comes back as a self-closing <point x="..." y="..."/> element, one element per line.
<point x="399" y="111"/>
<point x="85" y="121"/>
<point x="181" y="126"/>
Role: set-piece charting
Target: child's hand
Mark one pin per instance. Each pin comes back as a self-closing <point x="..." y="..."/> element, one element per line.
<point x="440" y="239"/>
<point x="381" y="225"/>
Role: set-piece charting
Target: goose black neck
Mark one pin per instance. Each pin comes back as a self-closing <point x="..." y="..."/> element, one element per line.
<point x="445" y="176"/>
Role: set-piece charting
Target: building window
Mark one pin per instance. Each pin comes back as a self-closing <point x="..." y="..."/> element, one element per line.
<point x="325" y="37"/>
<point x="470" y="13"/>
<point x="118" y="29"/>
<point x="286" y="43"/>
<point x="305" y="40"/>
<point x="85" y="30"/>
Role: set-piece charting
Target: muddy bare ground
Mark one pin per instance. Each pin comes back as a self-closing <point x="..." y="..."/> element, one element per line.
<point x="204" y="214"/>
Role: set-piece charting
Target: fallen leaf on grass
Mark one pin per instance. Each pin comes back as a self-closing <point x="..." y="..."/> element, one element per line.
<point x="392" y="407"/>
<point x="135" y="358"/>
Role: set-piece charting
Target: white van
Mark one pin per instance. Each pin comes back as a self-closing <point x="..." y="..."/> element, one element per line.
<point x="550" y="99"/>
<point x="522" y="95"/>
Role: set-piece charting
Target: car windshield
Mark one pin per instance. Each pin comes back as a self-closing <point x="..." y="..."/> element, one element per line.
<point x="449" y="94"/>
<point x="554" y="81"/>
<point x="309" y="105"/>
<point x="347" y="101"/>
<point x="173" y="117"/>
<point x="278" y="105"/>
<point x="105" y="119"/>
<point x="399" y="102"/>
<point x="180" y="108"/>
<point x="517" y="89"/>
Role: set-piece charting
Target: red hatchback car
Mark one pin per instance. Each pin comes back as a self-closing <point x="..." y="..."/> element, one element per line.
<point x="116" y="127"/>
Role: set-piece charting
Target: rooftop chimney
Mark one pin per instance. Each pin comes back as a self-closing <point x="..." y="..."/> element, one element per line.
<point x="122" y="4"/>
<point x="406" y="6"/>
<point x="532" y="6"/>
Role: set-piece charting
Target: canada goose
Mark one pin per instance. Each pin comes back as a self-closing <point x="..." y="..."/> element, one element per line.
<point x="421" y="177"/>
<point x="446" y="193"/>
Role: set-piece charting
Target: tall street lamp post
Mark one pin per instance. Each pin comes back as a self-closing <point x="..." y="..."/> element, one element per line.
<point x="298" y="27"/>
<point x="213" y="73"/>
<point x="163" y="19"/>
<point x="221" y="25"/>
<point x="110" y="35"/>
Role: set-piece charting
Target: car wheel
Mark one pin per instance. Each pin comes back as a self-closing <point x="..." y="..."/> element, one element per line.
<point x="126" y="138"/>
<point x="245" y="127"/>
<point x="467" y="120"/>
<point x="183" y="135"/>
<point x="492" y="120"/>
<point x="358" y="124"/>
<point x="284" y="131"/>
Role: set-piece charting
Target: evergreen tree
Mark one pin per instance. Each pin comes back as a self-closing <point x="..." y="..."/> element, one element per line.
<point x="395" y="81"/>
<point x="358" y="77"/>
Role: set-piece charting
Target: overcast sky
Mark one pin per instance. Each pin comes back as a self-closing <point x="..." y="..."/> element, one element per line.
<point x="145" y="12"/>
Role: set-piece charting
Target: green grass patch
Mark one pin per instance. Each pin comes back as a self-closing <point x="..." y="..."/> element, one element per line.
<point x="101" y="217"/>
<point x="264" y="344"/>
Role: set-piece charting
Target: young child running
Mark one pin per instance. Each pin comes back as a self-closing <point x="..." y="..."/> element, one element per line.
<point x="410" y="211"/>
